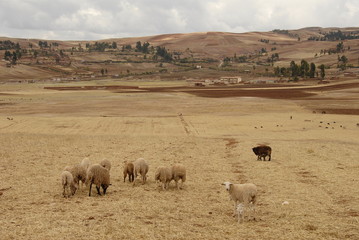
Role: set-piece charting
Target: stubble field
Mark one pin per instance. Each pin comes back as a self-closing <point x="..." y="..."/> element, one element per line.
<point x="314" y="164"/>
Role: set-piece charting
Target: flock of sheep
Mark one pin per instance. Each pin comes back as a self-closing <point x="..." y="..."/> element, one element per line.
<point x="243" y="195"/>
<point x="99" y="175"/>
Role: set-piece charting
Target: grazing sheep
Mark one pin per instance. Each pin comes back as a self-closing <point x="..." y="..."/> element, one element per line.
<point x="78" y="172"/>
<point x="128" y="169"/>
<point x="242" y="193"/>
<point x="262" y="151"/>
<point x="179" y="172"/>
<point x="140" y="167"/>
<point x="164" y="175"/>
<point x="68" y="184"/>
<point x="106" y="164"/>
<point x="98" y="175"/>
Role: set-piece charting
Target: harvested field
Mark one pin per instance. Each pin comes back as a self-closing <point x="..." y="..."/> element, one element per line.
<point x="211" y="131"/>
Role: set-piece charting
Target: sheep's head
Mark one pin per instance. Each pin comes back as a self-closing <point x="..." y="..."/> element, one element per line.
<point x="227" y="185"/>
<point x="74" y="187"/>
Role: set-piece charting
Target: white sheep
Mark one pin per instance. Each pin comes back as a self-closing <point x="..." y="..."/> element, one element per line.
<point x="68" y="184"/>
<point x="85" y="163"/>
<point x="98" y="175"/>
<point x="164" y="175"/>
<point x="140" y="167"/>
<point x="106" y="164"/>
<point x="78" y="172"/>
<point x="179" y="173"/>
<point x="240" y="212"/>
<point x="242" y="193"/>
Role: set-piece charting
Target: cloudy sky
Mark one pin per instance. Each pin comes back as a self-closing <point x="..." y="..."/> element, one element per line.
<point x="100" y="19"/>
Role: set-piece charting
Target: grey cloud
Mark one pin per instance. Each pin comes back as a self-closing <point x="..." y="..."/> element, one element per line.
<point x="92" y="19"/>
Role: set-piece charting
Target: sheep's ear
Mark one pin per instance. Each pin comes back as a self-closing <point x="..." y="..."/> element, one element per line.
<point x="223" y="184"/>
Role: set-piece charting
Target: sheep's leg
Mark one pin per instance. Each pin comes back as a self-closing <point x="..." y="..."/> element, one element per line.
<point x="124" y="177"/>
<point x="144" y="179"/>
<point x="269" y="157"/>
<point x="131" y="177"/>
<point x="104" y="189"/>
<point x="64" y="192"/>
<point x="181" y="183"/>
<point x="90" y="189"/>
<point x="98" y="190"/>
<point x="134" y="179"/>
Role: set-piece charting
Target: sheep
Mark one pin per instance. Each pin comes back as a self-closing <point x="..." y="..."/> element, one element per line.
<point x="242" y="193"/>
<point x="98" y="175"/>
<point x="85" y="163"/>
<point x="128" y="169"/>
<point x="106" y="164"/>
<point x="164" y="175"/>
<point x="68" y="184"/>
<point x="179" y="172"/>
<point x="140" y="167"/>
<point x="240" y="212"/>
<point x="78" y="172"/>
<point x="262" y="151"/>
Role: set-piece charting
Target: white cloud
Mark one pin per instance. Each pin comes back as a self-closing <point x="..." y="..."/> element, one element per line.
<point x="92" y="19"/>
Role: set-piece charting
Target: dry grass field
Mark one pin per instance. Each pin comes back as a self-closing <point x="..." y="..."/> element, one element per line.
<point x="314" y="163"/>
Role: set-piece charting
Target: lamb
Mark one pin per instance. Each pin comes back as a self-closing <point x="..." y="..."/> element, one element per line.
<point x="98" y="175"/>
<point x="164" y="175"/>
<point x="179" y="172"/>
<point x="140" y="167"/>
<point x="128" y="169"/>
<point x="68" y="184"/>
<point x="262" y="151"/>
<point x="240" y="212"/>
<point x="106" y="164"/>
<point x="245" y="194"/>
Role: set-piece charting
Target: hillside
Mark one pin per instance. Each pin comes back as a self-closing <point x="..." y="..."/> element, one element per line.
<point x="254" y="54"/>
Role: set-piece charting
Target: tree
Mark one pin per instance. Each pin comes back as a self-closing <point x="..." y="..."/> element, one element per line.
<point x="344" y="59"/>
<point x="102" y="71"/>
<point x="304" y="68"/>
<point x="312" y="70"/>
<point x="294" y="69"/>
<point x="14" y="58"/>
<point x="322" y="71"/>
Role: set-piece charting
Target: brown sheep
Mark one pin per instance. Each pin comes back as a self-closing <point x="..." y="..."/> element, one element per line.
<point x="128" y="169"/>
<point x="164" y="175"/>
<point x="98" y="175"/>
<point x="262" y="151"/>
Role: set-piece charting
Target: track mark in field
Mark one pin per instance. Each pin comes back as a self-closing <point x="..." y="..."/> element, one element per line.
<point x="306" y="177"/>
<point x="230" y="146"/>
<point x="185" y="125"/>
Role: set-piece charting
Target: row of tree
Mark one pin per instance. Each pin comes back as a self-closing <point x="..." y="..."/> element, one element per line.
<point x="8" y="45"/>
<point x="101" y="46"/>
<point x="304" y="70"/>
<point x="335" y="36"/>
<point x="12" y="56"/>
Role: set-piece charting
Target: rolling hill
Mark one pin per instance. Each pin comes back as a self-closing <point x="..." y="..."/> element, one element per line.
<point x="242" y="53"/>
